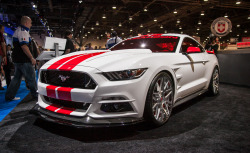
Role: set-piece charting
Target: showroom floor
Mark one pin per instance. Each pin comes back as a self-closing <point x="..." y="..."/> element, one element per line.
<point x="204" y="124"/>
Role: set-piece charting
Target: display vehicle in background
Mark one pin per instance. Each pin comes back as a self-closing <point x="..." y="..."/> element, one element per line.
<point x="140" y="79"/>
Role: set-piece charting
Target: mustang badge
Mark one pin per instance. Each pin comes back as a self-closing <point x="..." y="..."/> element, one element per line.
<point x="63" y="78"/>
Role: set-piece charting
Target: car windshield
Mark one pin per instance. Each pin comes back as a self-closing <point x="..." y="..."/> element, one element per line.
<point x="156" y="43"/>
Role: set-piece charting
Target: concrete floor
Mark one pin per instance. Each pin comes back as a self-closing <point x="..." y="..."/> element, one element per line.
<point x="204" y="124"/>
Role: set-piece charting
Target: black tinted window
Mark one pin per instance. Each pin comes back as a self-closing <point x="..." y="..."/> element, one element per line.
<point x="154" y="43"/>
<point x="188" y="42"/>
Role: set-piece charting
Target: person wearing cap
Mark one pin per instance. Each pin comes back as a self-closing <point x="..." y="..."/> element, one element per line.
<point x="113" y="40"/>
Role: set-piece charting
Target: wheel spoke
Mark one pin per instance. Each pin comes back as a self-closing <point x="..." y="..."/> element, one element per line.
<point x="167" y="96"/>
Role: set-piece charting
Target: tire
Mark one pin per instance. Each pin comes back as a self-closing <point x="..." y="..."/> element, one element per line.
<point x="213" y="88"/>
<point x="159" y="101"/>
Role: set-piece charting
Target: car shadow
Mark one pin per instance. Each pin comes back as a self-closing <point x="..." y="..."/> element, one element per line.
<point x="180" y="122"/>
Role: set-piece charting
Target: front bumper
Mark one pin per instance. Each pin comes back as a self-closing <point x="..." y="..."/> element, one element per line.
<point x="81" y="122"/>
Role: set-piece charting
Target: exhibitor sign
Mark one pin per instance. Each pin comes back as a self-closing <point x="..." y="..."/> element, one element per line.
<point x="221" y="26"/>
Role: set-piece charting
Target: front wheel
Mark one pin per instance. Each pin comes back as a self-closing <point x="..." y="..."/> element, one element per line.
<point x="159" y="102"/>
<point x="213" y="88"/>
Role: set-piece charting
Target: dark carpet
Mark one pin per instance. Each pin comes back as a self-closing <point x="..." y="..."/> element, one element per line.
<point x="204" y="124"/>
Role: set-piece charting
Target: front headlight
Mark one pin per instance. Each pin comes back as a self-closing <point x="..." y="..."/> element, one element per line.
<point x="125" y="74"/>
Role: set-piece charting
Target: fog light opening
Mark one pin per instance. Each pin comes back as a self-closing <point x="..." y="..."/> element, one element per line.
<point x="116" y="107"/>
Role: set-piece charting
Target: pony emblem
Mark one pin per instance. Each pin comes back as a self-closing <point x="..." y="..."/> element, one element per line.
<point x="63" y="78"/>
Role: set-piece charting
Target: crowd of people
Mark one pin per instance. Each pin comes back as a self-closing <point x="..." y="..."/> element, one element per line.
<point x="22" y="58"/>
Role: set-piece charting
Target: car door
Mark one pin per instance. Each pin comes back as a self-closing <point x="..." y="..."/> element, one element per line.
<point x="191" y="71"/>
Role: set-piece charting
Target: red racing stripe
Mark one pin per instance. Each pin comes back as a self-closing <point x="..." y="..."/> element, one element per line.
<point x="66" y="110"/>
<point x="64" y="93"/>
<point x="60" y="62"/>
<point x="53" y="107"/>
<point x="71" y="64"/>
<point x="51" y="91"/>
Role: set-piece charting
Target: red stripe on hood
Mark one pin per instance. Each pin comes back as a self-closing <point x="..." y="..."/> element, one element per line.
<point x="66" y="110"/>
<point x="60" y="62"/>
<point x="53" y="107"/>
<point x="71" y="64"/>
<point x="51" y="91"/>
<point x="64" y="93"/>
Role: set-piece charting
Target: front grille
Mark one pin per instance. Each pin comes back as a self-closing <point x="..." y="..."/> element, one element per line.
<point x="68" y="79"/>
<point x="65" y="103"/>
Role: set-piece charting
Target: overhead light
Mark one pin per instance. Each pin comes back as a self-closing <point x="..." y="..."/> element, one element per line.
<point x="178" y="21"/>
<point x="72" y="29"/>
<point x="226" y="16"/>
<point x="141" y="25"/>
<point x="88" y="31"/>
<point x="80" y="31"/>
<point x="145" y="9"/>
<point x="175" y="11"/>
<point x="165" y="31"/>
<point x="231" y="31"/>
<point x="123" y="33"/>
<point x="97" y="23"/>
<point x="92" y="28"/>
<point x="202" y="13"/>
<point x="104" y="16"/>
<point x="161" y="26"/>
<point x="245" y="31"/>
<point x="238" y="25"/>
<point x="112" y="28"/>
<point x="120" y="24"/>
<point x="148" y="30"/>
<point x="248" y="17"/>
<point x="238" y="35"/>
<point x="130" y="18"/>
<point x="197" y="33"/>
<point x="83" y="27"/>
<point x="180" y="27"/>
<point x="86" y="35"/>
<point x="199" y="22"/>
<point x="80" y="1"/>
<point x="106" y="32"/>
<point x="238" y="2"/>
<point x="34" y="6"/>
<point x="155" y="20"/>
<point x="181" y="32"/>
<point x="198" y="28"/>
<point x="205" y="0"/>
<point x="83" y="37"/>
<point x="131" y="30"/>
<point x="113" y="7"/>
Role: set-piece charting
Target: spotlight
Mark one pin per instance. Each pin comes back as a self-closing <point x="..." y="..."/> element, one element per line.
<point x="238" y="2"/>
<point x="175" y="11"/>
<point x="202" y="13"/>
<point x="104" y="16"/>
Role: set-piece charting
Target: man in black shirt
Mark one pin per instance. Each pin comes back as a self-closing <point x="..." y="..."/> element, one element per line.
<point x="69" y="48"/>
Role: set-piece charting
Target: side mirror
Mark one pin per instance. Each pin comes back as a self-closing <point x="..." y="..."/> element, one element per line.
<point x="210" y="51"/>
<point x="193" y="50"/>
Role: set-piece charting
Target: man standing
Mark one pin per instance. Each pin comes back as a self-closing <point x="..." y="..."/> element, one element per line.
<point x="69" y="48"/>
<point x="2" y="51"/>
<point x="114" y="40"/>
<point x="23" y="60"/>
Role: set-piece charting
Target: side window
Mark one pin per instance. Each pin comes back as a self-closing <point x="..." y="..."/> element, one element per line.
<point x="188" y="42"/>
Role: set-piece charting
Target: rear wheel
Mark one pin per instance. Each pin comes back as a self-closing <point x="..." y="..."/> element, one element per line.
<point x="214" y="82"/>
<point x="159" y="102"/>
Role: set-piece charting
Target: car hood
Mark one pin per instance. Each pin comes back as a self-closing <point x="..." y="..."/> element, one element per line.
<point x="103" y="60"/>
